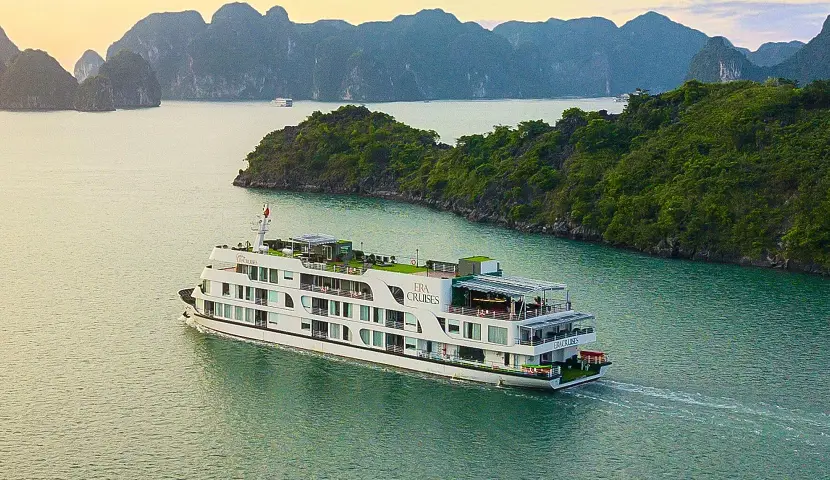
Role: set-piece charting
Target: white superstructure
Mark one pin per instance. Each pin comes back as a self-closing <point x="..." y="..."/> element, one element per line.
<point x="463" y="320"/>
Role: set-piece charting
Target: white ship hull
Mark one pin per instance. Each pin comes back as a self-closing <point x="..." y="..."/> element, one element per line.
<point x="382" y="357"/>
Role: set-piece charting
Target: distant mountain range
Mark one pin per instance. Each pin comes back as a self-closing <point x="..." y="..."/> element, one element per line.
<point x="33" y="80"/>
<point x="719" y="61"/>
<point x="242" y="54"/>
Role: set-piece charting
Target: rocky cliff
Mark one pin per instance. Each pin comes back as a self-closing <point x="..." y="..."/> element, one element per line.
<point x="95" y="95"/>
<point x="36" y="81"/>
<point x="719" y="61"/>
<point x="242" y="54"/>
<point x="133" y="82"/>
<point x="7" y="49"/>
<point x="88" y="65"/>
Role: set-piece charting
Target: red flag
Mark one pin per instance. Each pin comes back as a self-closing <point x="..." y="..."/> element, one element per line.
<point x="267" y="212"/>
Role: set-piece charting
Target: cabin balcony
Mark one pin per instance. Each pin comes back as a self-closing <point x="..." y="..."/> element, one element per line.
<point x="336" y="291"/>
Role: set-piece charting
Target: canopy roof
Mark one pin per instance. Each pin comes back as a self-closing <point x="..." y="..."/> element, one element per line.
<point x="315" y="239"/>
<point x="559" y="319"/>
<point x="511" y="286"/>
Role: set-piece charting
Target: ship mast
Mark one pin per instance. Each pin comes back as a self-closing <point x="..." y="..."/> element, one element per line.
<point x="261" y="227"/>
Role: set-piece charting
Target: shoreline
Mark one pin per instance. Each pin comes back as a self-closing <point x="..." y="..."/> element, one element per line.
<point x="560" y="229"/>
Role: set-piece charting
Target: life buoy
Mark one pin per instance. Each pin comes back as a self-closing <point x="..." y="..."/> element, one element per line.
<point x="413" y="263"/>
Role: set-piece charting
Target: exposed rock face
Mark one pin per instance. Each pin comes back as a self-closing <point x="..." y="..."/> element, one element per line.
<point x="88" y="65"/>
<point x="242" y="54"/>
<point x="133" y="82"/>
<point x="7" y="49"/>
<point x="95" y="95"/>
<point x="720" y="62"/>
<point x="773" y="53"/>
<point x="36" y="81"/>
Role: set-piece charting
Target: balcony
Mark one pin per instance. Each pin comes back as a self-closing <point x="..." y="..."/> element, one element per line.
<point x="394" y="324"/>
<point x="334" y="267"/>
<point x="320" y="311"/>
<point x="505" y="315"/>
<point x="336" y="291"/>
<point x="320" y="334"/>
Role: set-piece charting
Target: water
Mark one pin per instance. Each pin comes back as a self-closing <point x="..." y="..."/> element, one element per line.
<point x="719" y="371"/>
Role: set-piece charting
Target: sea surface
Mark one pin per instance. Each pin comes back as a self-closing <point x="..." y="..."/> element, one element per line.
<point x="719" y="371"/>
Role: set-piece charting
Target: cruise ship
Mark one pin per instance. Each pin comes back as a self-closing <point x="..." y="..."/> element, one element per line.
<point x="466" y="320"/>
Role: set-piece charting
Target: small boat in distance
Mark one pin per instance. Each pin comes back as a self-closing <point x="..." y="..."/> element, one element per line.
<point x="465" y="320"/>
<point x="282" y="102"/>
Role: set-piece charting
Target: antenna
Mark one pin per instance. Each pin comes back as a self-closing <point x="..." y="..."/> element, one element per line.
<point x="261" y="226"/>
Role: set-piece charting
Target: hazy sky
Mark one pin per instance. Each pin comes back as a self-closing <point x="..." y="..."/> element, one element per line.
<point x="65" y="28"/>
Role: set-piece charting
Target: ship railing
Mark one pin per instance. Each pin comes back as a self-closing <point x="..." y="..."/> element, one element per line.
<point x="333" y="267"/>
<point x="320" y="311"/>
<point x="336" y="291"/>
<point x="320" y="334"/>
<point x="550" y="372"/>
<point x="394" y="349"/>
<point x="394" y="324"/>
<point x="261" y="301"/>
<point x="502" y="315"/>
<point x="561" y="336"/>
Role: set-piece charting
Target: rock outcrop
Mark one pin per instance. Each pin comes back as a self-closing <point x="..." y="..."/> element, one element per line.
<point x="7" y="49"/>
<point x="133" y="82"/>
<point x="719" y="61"/>
<point x="36" y="81"/>
<point x="95" y="95"/>
<point x="88" y="65"/>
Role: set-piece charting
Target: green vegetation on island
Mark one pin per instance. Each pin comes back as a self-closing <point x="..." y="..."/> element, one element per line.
<point x="736" y="172"/>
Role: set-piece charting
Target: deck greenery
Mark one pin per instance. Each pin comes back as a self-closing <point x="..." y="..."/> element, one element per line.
<point x="734" y="172"/>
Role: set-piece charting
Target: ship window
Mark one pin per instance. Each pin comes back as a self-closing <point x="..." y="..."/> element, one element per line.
<point x="252" y="273"/>
<point x="443" y="323"/>
<point x="472" y="330"/>
<point x="273" y="297"/>
<point x="453" y="327"/>
<point x="206" y="287"/>
<point x="249" y="315"/>
<point x="240" y="291"/>
<point x="334" y="308"/>
<point x="240" y="313"/>
<point x="226" y="290"/>
<point x="273" y="317"/>
<point x="377" y="339"/>
<point x="263" y="274"/>
<point x="249" y="293"/>
<point x="364" y="313"/>
<point x="208" y="307"/>
<point x="217" y="310"/>
<point x="347" y="310"/>
<point x="273" y="275"/>
<point x="378" y="315"/>
<point x="305" y="324"/>
<point x="288" y="275"/>
<point x="334" y="331"/>
<point x="346" y="333"/>
<point x="497" y="335"/>
<point x="411" y="343"/>
<point x="306" y="301"/>
<point x="410" y="319"/>
<point x="364" y="336"/>
<point x="241" y="268"/>
<point x="289" y="302"/>
<point x="228" y="311"/>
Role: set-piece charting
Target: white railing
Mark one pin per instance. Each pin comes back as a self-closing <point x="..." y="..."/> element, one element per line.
<point x="334" y="268"/>
<point x="336" y="291"/>
<point x="554" y="369"/>
<point x="502" y="315"/>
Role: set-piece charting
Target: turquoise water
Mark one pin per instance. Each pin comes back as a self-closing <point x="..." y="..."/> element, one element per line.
<point x="720" y="371"/>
